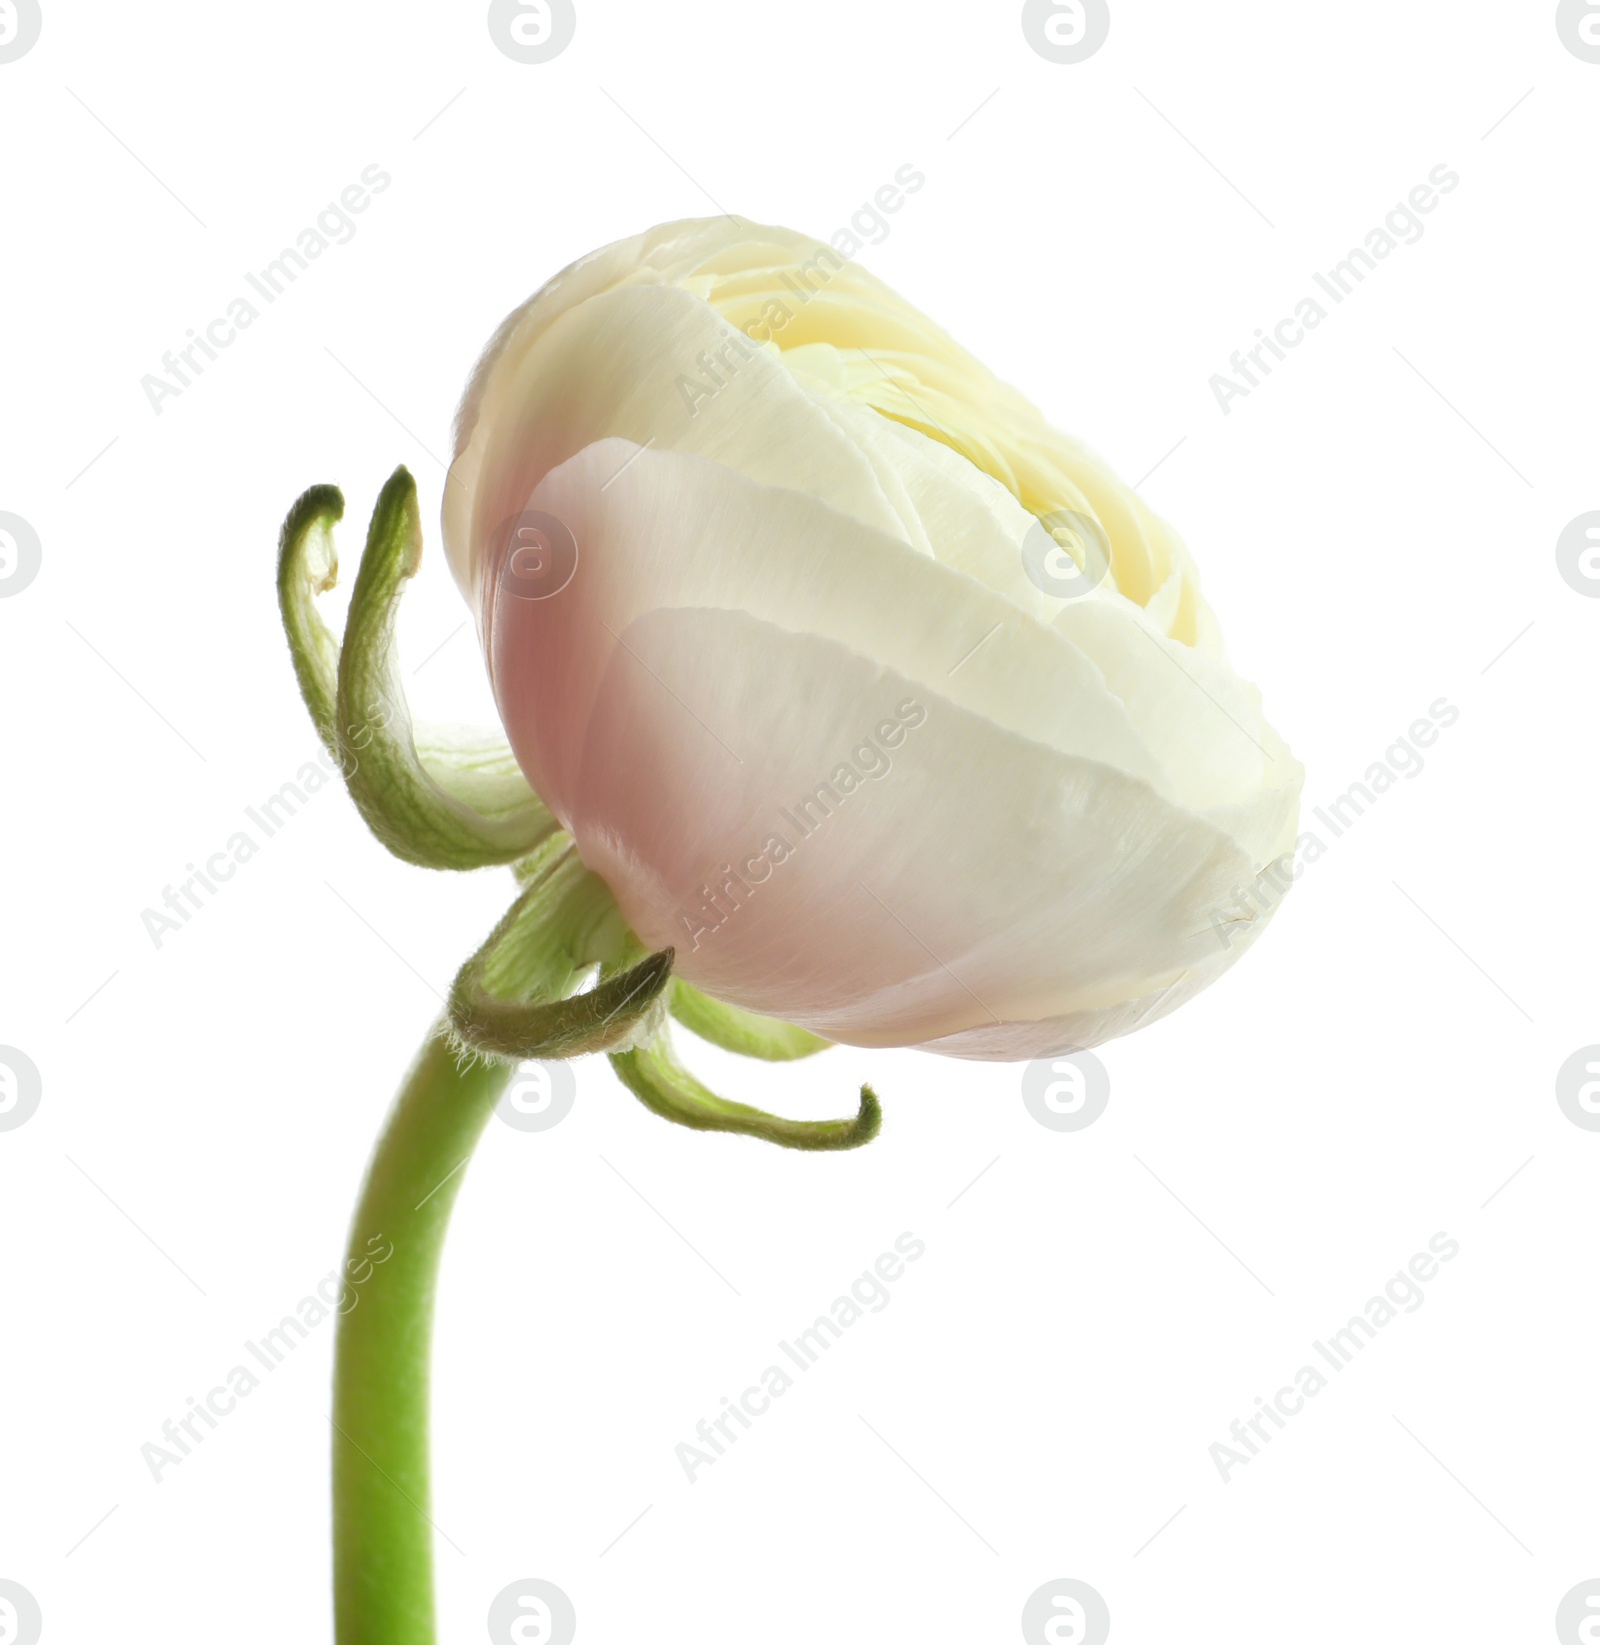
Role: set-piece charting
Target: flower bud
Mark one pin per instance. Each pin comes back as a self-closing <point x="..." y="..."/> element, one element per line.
<point x="888" y="707"/>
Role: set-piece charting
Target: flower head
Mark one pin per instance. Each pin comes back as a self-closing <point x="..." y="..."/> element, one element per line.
<point x="889" y="707"/>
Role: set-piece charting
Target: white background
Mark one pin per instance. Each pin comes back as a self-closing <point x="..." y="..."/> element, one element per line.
<point x="1376" y="524"/>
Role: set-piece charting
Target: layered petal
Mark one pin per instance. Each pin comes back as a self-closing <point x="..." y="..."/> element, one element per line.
<point x="802" y="695"/>
<point x="661" y="532"/>
<point x="956" y="877"/>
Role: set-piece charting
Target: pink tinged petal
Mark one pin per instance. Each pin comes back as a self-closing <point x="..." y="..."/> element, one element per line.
<point x="977" y="879"/>
<point x="658" y="531"/>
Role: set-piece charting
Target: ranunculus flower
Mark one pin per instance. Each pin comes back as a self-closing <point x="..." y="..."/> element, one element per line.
<point x="888" y="707"/>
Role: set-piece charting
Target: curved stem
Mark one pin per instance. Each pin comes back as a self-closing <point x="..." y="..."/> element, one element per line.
<point x="382" y="1532"/>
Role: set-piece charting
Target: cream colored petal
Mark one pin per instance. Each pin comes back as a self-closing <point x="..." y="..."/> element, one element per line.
<point x="657" y="530"/>
<point x="805" y="298"/>
<point x="640" y="362"/>
<point x="1081" y="1030"/>
<point x="979" y="880"/>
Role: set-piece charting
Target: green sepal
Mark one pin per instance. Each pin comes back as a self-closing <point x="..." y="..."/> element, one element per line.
<point x="595" y="1020"/>
<point x="514" y="998"/>
<point x="430" y="797"/>
<point x="741" y="1031"/>
<point x="308" y="565"/>
<point x="656" y="1077"/>
<point x="407" y="805"/>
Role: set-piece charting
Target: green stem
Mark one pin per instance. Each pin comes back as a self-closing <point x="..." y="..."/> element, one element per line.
<point x="382" y="1532"/>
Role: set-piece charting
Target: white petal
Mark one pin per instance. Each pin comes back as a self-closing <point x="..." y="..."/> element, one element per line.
<point x="661" y="531"/>
<point x="981" y="879"/>
<point x="1081" y="1030"/>
<point x="635" y="362"/>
